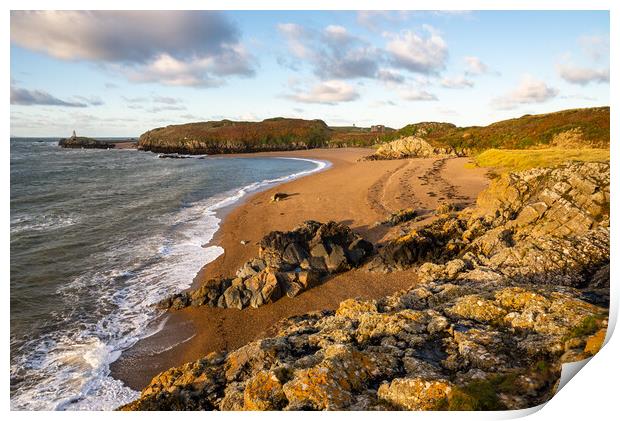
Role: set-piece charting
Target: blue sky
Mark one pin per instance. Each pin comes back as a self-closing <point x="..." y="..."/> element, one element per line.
<point x="122" y="73"/>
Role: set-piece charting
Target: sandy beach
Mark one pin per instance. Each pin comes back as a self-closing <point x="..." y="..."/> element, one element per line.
<point x="357" y="193"/>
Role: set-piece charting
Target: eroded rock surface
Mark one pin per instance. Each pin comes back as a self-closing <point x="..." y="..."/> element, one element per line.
<point x="413" y="147"/>
<point x="288" y="263"/>
<point x="548" y="224"/>
<point x="506" y="294"/>
<point x="437" y="346"/>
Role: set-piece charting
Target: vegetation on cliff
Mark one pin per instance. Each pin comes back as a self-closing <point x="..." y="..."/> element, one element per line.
<point x="581" y="127"/>
<point x="577" y="128"/>
<point x="220" y="137"/>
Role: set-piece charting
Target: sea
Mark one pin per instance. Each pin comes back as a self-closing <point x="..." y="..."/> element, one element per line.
<point x="97" y="238"/>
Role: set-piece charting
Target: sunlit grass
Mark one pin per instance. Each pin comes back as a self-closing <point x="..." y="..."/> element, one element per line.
<point x="523" y="159"/>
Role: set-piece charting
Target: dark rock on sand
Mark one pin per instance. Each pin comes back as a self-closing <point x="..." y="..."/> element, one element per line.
<point x="279" y="196"/>
<point x="288" y="263"/>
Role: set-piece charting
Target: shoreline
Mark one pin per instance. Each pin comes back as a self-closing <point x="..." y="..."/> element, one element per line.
<point x="356" y="193"/>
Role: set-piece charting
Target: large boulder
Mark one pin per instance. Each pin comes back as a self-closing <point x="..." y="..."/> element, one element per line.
<point x="288" y="263"/>
<point x="411" y="147"/>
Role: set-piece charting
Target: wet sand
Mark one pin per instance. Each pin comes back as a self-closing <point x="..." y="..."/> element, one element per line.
<point x="355" y="193"/>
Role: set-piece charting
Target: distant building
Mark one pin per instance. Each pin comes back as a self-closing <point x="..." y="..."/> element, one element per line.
<point x="73" y="136"/>
<point x="379" y="128"/>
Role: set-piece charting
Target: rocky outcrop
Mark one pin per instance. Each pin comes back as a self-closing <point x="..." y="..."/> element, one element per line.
<point x="79" y="142"/>
<point x="400" y="217"/>
<point x="507" y="292"/>
<point x="438" y="346"/>
<point x="221" y="137"/>
<point x="551" y="224"/>
<point x="412" y="147"/>
<point x="288" y="263"/>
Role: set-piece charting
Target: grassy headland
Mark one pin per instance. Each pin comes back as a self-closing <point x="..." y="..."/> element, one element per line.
<point x="576" y="128"/>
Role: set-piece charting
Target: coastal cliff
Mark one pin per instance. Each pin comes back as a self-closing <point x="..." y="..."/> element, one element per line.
<point x="576" y="128"/>
<point x="225" y="136"/>
<point x="502" y="293"/>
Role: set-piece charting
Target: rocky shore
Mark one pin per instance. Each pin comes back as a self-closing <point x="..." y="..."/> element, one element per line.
<point x="505" y="292"/>
<point x="288" y="263"/>
<point x="80" y="142"/>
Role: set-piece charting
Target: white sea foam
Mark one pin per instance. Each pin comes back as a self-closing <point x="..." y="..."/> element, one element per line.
<point x="41" y="222"/>
<point x="70" y="370"/>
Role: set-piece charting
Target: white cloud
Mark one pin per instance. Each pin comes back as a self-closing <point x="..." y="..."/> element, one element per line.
<point x="333" y="52"/>
<point x="418" y="95"/>
<point x="337" y="33"/>
<point x="328" y="92"/>
<point x="426" y="53"/>
<point x="390" y="76"/>
<point x="529" y="91"/>
<point x="475" y="66"/>
<point x="457" y="82"/>
<point x="295" y="35"/>
<point x="144" y="45"/>
<point x="160" y="108"/>
<point x="155" y="102"/>
<point x="582" y="75"/>
<point x="167" y="70"/>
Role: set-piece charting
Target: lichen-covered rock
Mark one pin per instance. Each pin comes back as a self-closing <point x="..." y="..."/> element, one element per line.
<point x="455" y="347"/>
<point x="264" y="392"/>
<point x="476" y="308"/>
<point x="416" y="394"/>
<point x="552" y="224"/>
<point x="412" y="147"/>
<point x="486" y="326"/>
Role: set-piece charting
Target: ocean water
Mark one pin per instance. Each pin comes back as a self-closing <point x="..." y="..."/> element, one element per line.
<point x="97" y="237"/>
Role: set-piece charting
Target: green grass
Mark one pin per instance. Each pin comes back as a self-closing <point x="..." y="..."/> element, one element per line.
<point x="523" y="159"/>
<point x="588" y="326"/>
<point x="482" y="395"/>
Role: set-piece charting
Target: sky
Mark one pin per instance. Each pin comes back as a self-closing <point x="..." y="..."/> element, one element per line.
<point x="121" y="73"/>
